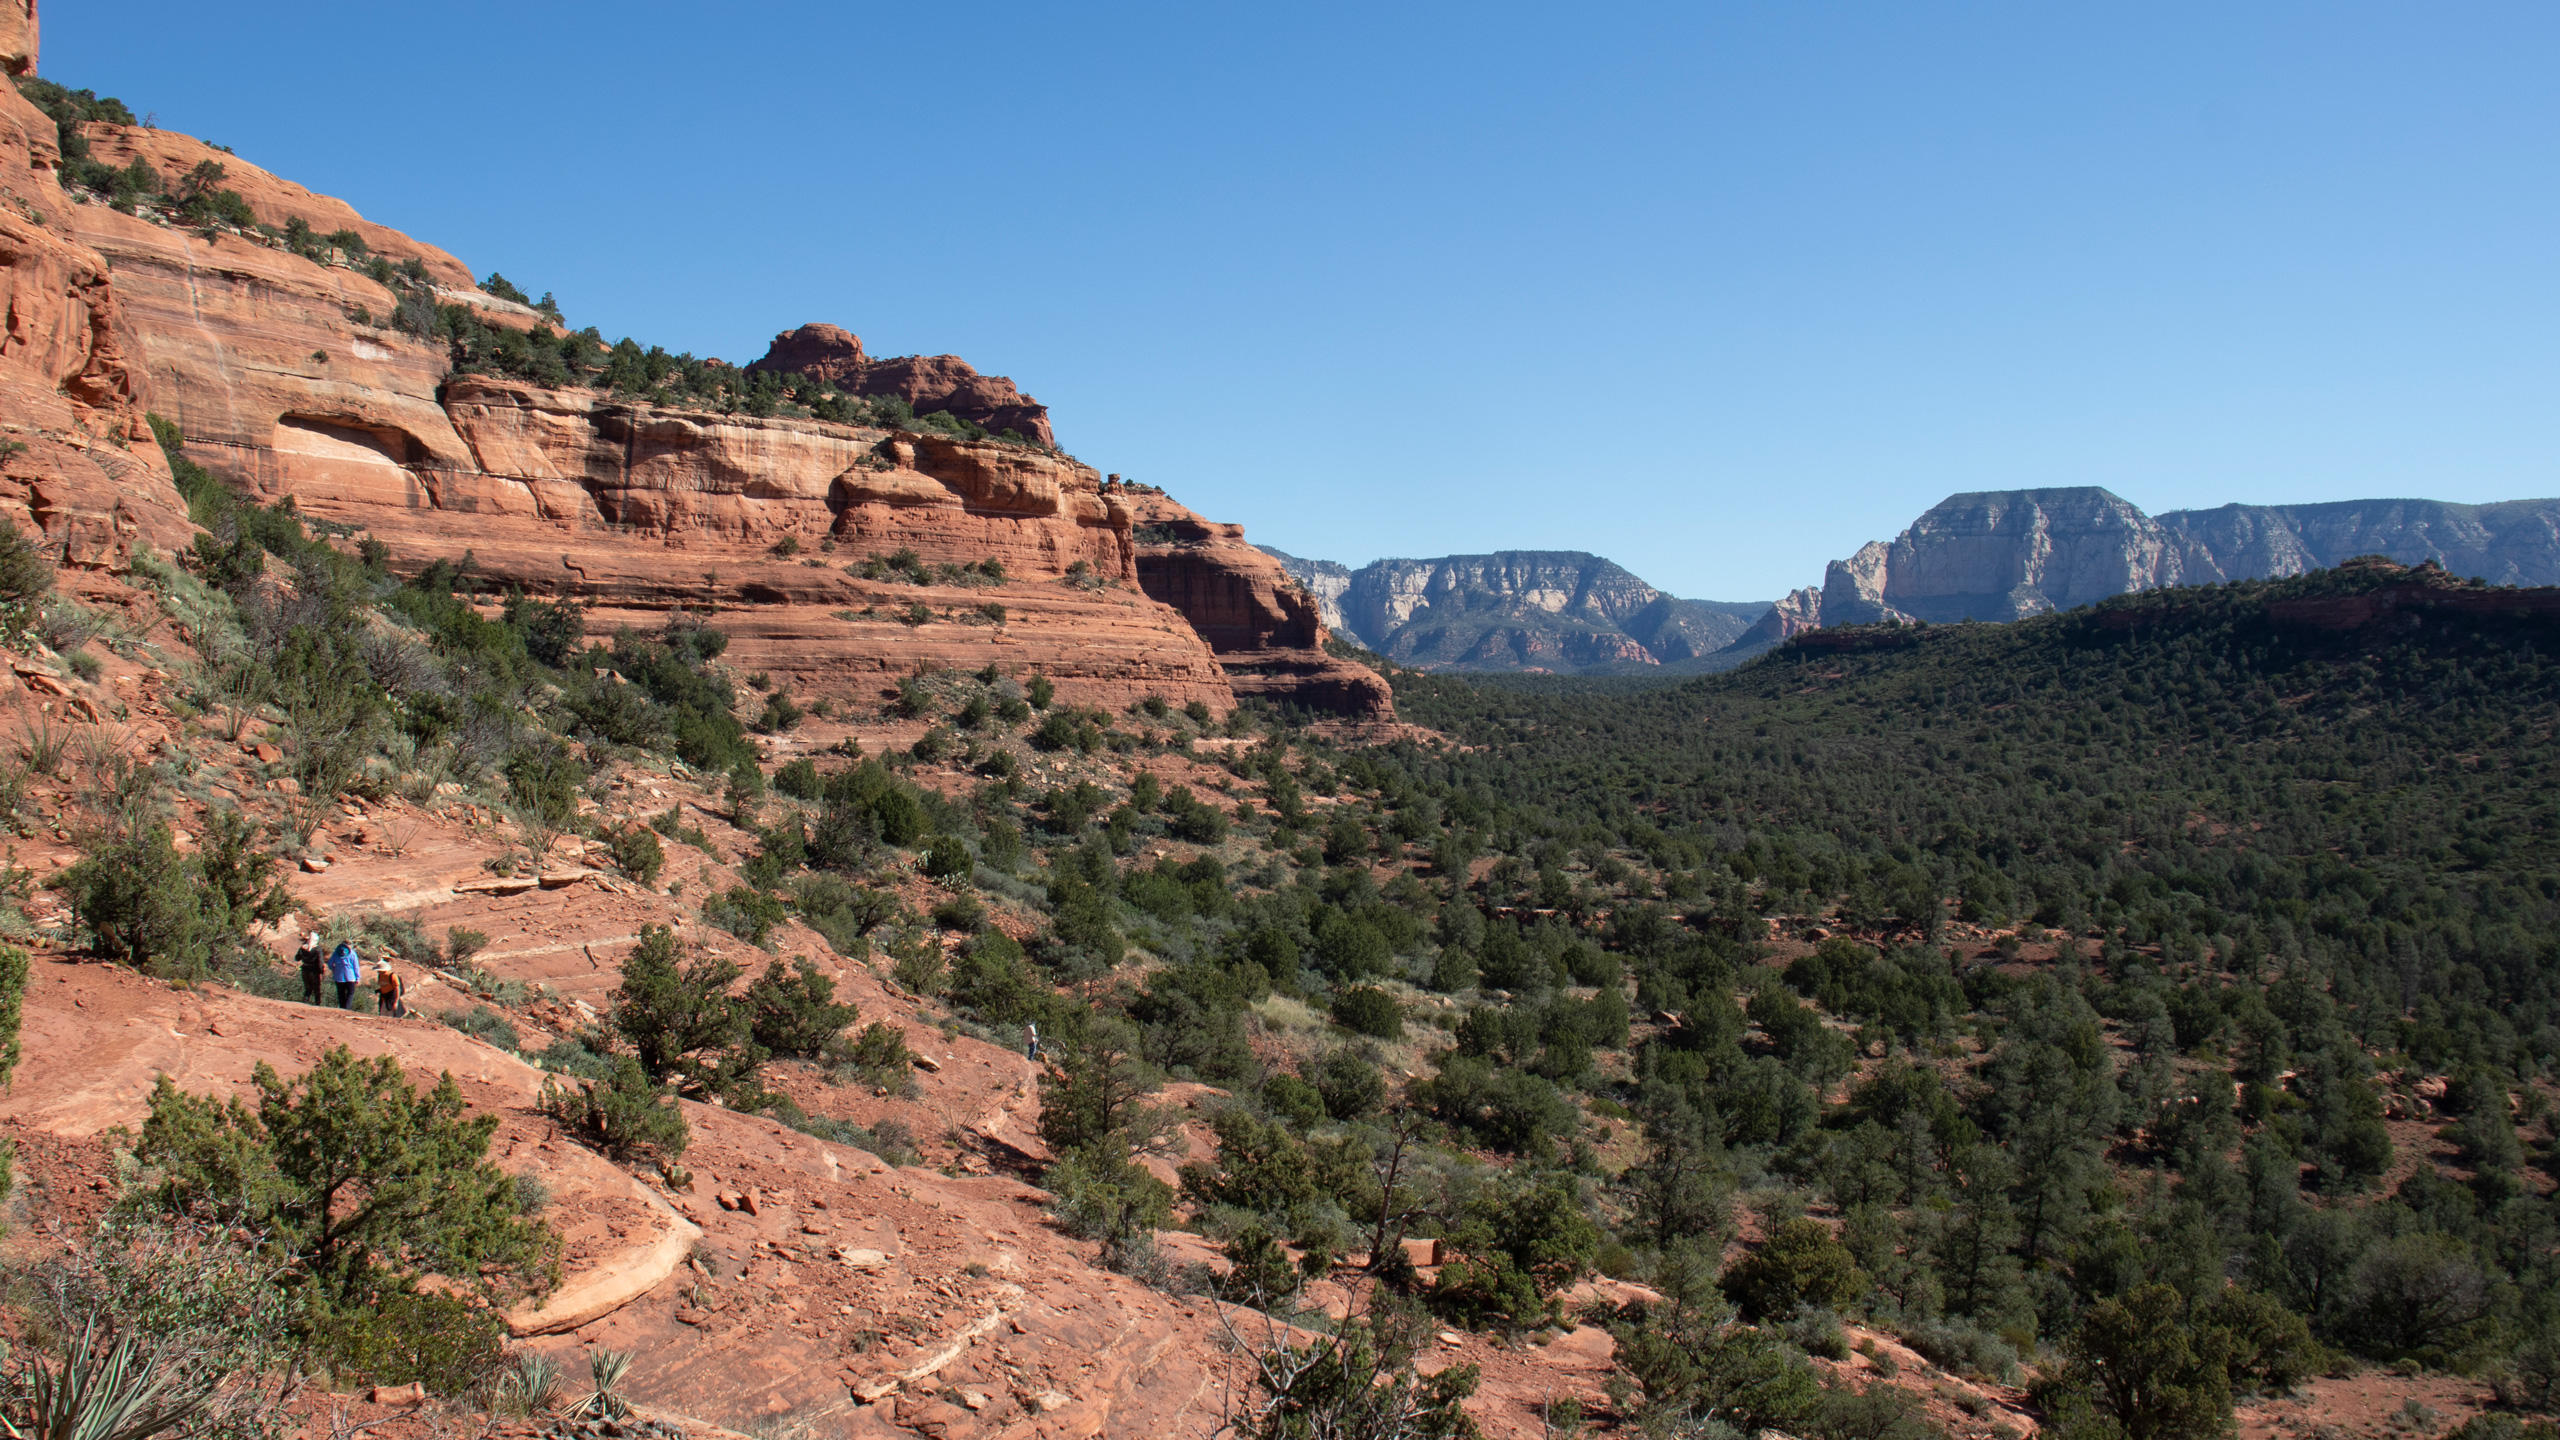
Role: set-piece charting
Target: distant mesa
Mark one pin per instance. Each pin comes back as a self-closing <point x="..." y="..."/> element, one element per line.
<point x="926" y="382"/>
<point x="2009" y="554"/>
<point x="1531" y="611"/>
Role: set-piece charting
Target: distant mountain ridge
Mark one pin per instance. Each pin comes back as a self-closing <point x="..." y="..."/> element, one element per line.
<point x="1527" y="610"/>
<point x="2008" y="554"/>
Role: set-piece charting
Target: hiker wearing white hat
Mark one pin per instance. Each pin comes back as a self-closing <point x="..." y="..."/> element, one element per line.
<point x="312" y="955"/>
<point x="389" y="997"/>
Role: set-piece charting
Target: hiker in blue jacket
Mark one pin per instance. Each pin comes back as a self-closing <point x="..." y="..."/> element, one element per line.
<point x="347" y="971"/>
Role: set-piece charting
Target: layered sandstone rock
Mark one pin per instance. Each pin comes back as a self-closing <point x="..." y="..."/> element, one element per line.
<point x="276" y="199"/>
<point x="1262" y="623"/>
<point x="281" y="375"/>
<point x="926" y="382"/>
<point x="18" y="36"/>
<point x="80" y="463"/>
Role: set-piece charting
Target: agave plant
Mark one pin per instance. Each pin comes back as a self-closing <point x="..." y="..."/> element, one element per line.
<point x="125" y="1390"/>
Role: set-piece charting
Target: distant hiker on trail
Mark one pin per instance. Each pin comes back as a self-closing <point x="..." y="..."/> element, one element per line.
<point x="1031" y="1042"/>
<point x="387" y="991"/>
<point x="312" y="956"/>
<point x="347" y="971"/>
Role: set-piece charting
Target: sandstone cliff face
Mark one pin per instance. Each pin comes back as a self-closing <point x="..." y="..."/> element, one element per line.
<point x="275" y="198"/>
<point x="1264" y="625"/>
<point x="926" y="382"/>
<point x="258" y="356"/>
<point x="83" y="467"/>
<point x="18" y="36"/>
<point x="2004" y="555"/>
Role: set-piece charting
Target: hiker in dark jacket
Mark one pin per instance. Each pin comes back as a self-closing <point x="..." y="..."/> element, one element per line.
<point x="312" y="956"/>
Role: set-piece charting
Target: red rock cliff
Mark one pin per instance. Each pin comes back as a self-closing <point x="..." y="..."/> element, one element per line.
<point x="80" y="463"/>
<point x="1261" y="622"/>
<point x="281" y="374"/>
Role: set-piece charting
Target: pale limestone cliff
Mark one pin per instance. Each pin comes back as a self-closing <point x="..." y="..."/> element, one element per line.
<point x="1325" y="580"/>
<point x="2004" y="555"/>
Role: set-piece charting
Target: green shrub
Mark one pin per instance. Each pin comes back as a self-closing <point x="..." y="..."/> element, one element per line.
<point x="485" y="1023"/>
<point x="178" y="1314"/>
<point x="679" y="1018"/>
<point x="1349" y="1086"/>
<point x="1057" y="732"/>
<point x="543" y="784"/>
<point x="1799" y="1264"/>
<point x="1294" y="1100"/>
<point x="1100" y="1198"/>
<point x="187" y="915"/>
<point x="13" y="1000"/>
<point x="1963" y="1347"/>
<point x="574" y="1056"/>
<point x="1260" y="1273"/>
<point x="921" y="968"/>
<point x="621" y="1113"/>
<point x="638" y="854"/>
<point x="779" y="713"/>
<point x="795" y="1012"/>
<point x="947" y="858"/>
<point x="961" y="912"/>
<point x="746" y="912"/>
<point x="798" y="779"/>
<point x="1367" y="1010"/>
<point x="351" y="1126"/>
<point x="26" y="566"/>
<point x="881" y="1056"/>
<point x="990" y="978"/>
<point x="403" y="1335"/>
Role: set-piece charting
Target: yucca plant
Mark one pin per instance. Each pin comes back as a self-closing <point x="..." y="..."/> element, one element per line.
<point x="606" y="1369"/>
<point x="532" y="1385"/>
<point x="126" y="1390"/>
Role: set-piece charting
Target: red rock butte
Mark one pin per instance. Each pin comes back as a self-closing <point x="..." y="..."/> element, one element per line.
<point x="926" y="382"/>
<point x="284" y="378"/>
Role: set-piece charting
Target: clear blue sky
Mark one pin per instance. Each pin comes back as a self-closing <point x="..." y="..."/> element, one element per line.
<point x="1720" y="291"/>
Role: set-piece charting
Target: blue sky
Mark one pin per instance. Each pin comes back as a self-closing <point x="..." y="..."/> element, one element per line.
<point x="1719" y="291"/>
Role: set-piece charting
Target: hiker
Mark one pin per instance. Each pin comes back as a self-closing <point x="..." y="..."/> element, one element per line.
<point x="1031" y="1042"/>
<point x="311" y="956"/>
<point x="347" y="971"/>
<point x="387" y="991"/>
